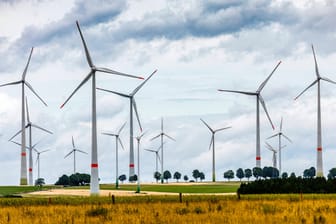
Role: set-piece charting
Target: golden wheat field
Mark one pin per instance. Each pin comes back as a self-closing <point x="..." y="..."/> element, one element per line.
<point x="168" y="209"/>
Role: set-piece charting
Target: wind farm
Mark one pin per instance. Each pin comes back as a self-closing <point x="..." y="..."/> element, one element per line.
<point x="161" y="66"/>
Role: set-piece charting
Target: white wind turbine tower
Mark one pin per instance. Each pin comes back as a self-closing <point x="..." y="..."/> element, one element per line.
<point x="132" y="106"/>
<point x="161" y="135"/>
<point x="259" y="99"/>
<point x="279" y="134"/>
<point x="138" y="138"/>
<point x="74" y="150"/>
<point x="29" y="127"/>
<point x="23" y="82"/>
<point x="319" y="170"/>
<point x="94" y="185"/>
<point x="212" y="143"/>
<point x="157" y="157"/>
<point x="118" y="141"/>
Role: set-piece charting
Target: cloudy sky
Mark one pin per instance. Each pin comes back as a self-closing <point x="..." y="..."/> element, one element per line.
<point x="197" y="47"/>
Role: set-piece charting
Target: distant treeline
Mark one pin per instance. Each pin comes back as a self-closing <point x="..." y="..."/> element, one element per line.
<point x="289" y="185"/>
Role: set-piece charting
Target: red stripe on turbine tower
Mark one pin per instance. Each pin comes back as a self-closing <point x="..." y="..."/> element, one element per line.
<point x="258" y="158"/>
<point x="30" y="169"/>
<point x="131" y="165"/>
<point x="23" y="154"/>
<point x="94" y="165"/>
<point x="319" y="149"/>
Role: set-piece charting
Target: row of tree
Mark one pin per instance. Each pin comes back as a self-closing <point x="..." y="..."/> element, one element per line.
<point x="289" y="185"/>
<point x="77" y="179"/>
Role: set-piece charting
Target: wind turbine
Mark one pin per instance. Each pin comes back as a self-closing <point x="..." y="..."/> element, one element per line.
<point x="29" y="127"/>
<point x="157" y="157"/>
<point x="138" y="138"/>
<point x="279" y="134"/>
<point x="38" y="160"/>
<point x="319" y="170"/>
<point x="269" y="147"/>
<point x="117" y="141"/>
<point x="74" y="150"/>
<point x="94" y="185"/>
<point x="259" y="99"/>
<point x="132" y="105"/>
<point x="23" y="82"/>
<point x="161" y="135"/>
<point x="212" y="142"/>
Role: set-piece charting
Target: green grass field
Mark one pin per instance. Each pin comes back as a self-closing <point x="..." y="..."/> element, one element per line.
<point x="176" y="188"/>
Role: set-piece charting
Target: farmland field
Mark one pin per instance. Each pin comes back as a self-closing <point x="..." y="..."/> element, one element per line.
<point x="197" y="208"/>
<point x="168" y="209"/>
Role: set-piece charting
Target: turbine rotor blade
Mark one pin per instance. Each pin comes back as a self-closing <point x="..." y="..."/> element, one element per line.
<point x="287" y="138"/>
<point x="155" y="137"/>
<point x="114" y="92"/>
<point x="27" y="111"/>
<point x="11" y="83"/>
<point x="221" y="129"/>
<point x="109" y="134"/>
<point x="169" y="137"/>
<point x="143" y="83"/>
<point x="78" y="87"/>
<point x="45" y="151"/>
<point x="120" y="142"/>
<point x="206" y="125"/>
<point x="241" y="92"/>
<point x="269" y="76"/>
<point x="15" y="135"/>
<point x="313" y="83"/>
<point x="328" y="80"/>
<point x="69" y="153"/>
<point x="73" y="143"/>
<point x="316" y="66"/>
<point x="26" y="68"/>
<point x="81" y="151"/>
<point x="110" y="71"/>
<point x="121" y="128"/>
<point x="269" y="146"/>
<point x="136" y="113"/>
<point x="211" y="142"/>
<point x="31" y="88"/>
<point x="87" y="54"/>
<point x="261" y="100"/>
<point x="281" y="125"/>
<point x="273" y="136"/>
<point x="43" y="129"/>
<point x="150" y="150"/>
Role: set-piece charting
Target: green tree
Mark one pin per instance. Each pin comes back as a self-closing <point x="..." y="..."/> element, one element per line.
<point x="39" y="182"/>
<point x="248" y="174"/>
<point x="177" y="176"/>
<point x="63" y="180"/>
<point x="309" y="173"/>
<point x="157" y="176"/>
<point x="122" y="178"/>
<point x="257" y="172"/>
<point x="240" y="173"/>
<point x="133" y="178"/>
<point x="74" y="179"/>
<point x="195" y="174"/>
<point x="185" y="178"/>
<point x="201" y="176"/>
<point x="229" y="175"/>
<point x="166" y="175"/>
<point x="284" y="175"/>
<point x="292" y="175"/>
<point x="332" y="173"/>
